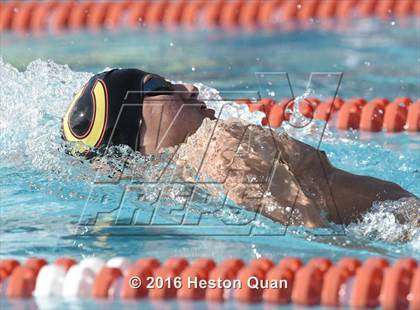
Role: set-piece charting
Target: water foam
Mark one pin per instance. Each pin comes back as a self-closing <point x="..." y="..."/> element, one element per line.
<point x="392" y="221"/>
<point x="33" y="102"/>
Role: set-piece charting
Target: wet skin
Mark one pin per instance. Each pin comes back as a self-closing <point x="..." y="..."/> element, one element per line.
<point x="168" y="120"/>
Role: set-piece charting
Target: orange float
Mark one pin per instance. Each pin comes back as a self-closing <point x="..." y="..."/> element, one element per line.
<point x="247" y="293"/>
<point x="413" y="117"/>
<point x="155" y="13"/>
<point x="9" y="265"/>
<point x="255" y="106"/>
<point x="3" y="274"/>
<point x="395" y="288"/>
<point x="382" y="102"/>
<point x="115" y="13"/>
<point x="104" y="280"/>
<point x="395" y="117"/>
<point x="385" y="8"/>
<point x="345" y="8"/>
<point x="21" y="282"/>
<point x="212" y="11"/>
<point x="79" y="14"/>
<point x="334" y="279"/>
<point x="366" y="8"/>
<point x="229" y="15"/>
<point x="278" y="113"/>
<point x="22" y="17"/>
<point x="372" y="117"/>
<point x="266" y="13"/>
<point x="168" y="290"/>
<point x="326" y="108"/>
<point x="414" y="295"/>
<point x="60" y="18"/>
<point x="378" y="262"/>
<point x="357" y="101"/>
<point x="35" y="263"/>
<point x="406" y="263"/>
<point x="403" y="100"/>
<point x="355" y="113"/>
<point x="40" y="15"/>
<point x="289" y="10"/>
<point x="349" y="116"/>
<point x="18" y="15"/>
<point x="129" y="289"/>
<point x="137" y="13"/>
<point x="307" y="9"/>
<point x="349" y="263"/>
<point x="416" y="8"/>
<point x="191" y="12"/>
<point x="404" y="8"/>
<point x="322" y="263"/>
<point x="65" y="262"/>
<point x="223" y="273"/>
<point x="292" y="263"/>
<point x="263" y="263"/>
<point x="178" y="263"/>
<point x="318" y="283"/>
<point x="249" y="14"/>
<point x="324" y="111"/>
<point x="279" y="295"/>
<point x="97" y="13"/>
<point x="204" y="263"/>
<point x="336" y="102"/>
<point x="268" y="104"/>
<point x="193" y="291"/>
<point x="366" y="287"/>
<point x="173" y="14"/>
<point x="148" y="263"/>
<point x="307" y="106"/>
<point x="327" y="9"/>
<point x="232" y="263"/>
<point x="307" y="286"/>
<point x="7" y="14"/>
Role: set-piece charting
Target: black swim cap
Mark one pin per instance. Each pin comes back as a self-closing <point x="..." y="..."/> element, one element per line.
<point x="106" y="111"/>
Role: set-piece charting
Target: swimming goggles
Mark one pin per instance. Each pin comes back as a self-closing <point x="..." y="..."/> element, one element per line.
<point x="157" y="85"/>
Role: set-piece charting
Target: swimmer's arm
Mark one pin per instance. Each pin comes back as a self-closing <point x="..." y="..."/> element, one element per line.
<point x="243" y="175"/>
<point x="355" y="194"/>
<point x="294" y="210"/>
<point x="281" y="199"/>
<point x="346" y="195"/>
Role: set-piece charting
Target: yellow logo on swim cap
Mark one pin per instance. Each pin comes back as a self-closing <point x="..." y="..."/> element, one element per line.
<point x="96" y="130"/>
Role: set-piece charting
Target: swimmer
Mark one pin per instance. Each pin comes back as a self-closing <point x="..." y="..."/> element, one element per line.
<point x="283" y="173"/>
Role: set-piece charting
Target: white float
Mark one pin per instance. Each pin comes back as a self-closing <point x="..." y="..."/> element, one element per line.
<point x="49" y="281"/>
<point x="78" y="282"/>
<point x="94" y="263"/>
<point x="119" y="262"/>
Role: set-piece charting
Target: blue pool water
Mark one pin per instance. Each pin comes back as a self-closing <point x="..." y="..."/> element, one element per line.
<point x="43" y="191"/>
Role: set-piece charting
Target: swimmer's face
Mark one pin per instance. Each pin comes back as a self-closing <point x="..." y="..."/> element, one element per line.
<point x="171" y="117"/>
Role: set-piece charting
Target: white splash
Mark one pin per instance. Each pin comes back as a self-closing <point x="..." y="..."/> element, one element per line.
<point x="32" y="104"/>
<point x="392" y="221"/>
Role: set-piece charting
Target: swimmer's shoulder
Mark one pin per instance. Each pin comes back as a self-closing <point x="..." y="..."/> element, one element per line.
<point x="217" y="135"/>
